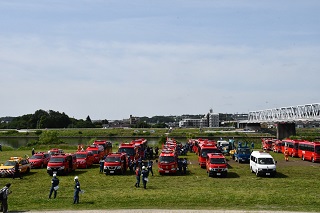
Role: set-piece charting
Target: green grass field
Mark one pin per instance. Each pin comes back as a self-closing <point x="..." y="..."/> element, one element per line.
<point x="295" y="188"/>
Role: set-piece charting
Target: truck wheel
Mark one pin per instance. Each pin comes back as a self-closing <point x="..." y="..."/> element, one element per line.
<point x="251" y="170"/>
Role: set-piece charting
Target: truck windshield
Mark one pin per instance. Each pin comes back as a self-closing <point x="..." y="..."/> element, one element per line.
<point x="204" y="152"/>
<point x="129" y="151"/>
<point x="166" y="159"/>
<point x="217" y="161"/>
<point x="81" y="155"/>
<point x="10" y="163"/>
<point x="56" y="160"/>
<point x="36" y="157"/>
<point x="112" y="159"/>
<point x="244" y="151"/>
<point x="266" y="161"/>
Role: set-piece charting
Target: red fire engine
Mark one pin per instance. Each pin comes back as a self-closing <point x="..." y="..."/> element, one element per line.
<point x="292" y="146"/>
<point x="267" y="144"/>
<point x="309" y="151"/>
<point x="204" y="149"/>
<point x="116" y="163"/>
<point x="98" y="152"/>
<point x="62" y="164"/>
<point x="216" y="165"/>
<point x="168" y="162"/>
<point x="84" y="159"/>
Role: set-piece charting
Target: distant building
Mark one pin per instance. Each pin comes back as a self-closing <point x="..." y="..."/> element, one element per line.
<point x="193" y="123"/>
<point x="213" y="119"/>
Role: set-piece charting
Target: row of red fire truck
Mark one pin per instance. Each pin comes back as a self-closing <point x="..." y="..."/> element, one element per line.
<point x="306" y="150"/>
<point x="63" y="163"/>
<point x="168" y="158"/>
<point x="210" y="157"/>
<point x="118" y="162"/>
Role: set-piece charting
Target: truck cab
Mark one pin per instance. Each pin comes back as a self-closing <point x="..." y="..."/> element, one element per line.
<point x="98" y="152"/>
<point x="262" y="163"/>
<point x="242" y="154"/>
<point x="62" y="164"/>
<point x="216" y="165"/>
<point x="107" y="145"/>
<point x="39" y="160"/>
<point x="115" y="163"/>
<point x="129" y="149"/>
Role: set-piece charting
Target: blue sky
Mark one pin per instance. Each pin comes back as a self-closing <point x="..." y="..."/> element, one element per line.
<point x="112" y="59"/>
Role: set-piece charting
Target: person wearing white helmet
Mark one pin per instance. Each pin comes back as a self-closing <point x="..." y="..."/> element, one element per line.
<point x="76" y="190"/>
<point x="54" y="185"/>
<point x="145" y="174"/>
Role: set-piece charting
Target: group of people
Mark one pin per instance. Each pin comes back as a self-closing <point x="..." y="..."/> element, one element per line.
<point x="144" y="173"/>
<point x="55" y="186"/>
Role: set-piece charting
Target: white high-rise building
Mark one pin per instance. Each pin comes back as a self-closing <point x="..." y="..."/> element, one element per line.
<point x="213" y="119"/>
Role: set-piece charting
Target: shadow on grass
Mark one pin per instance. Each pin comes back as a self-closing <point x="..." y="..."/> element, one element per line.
<point x="281" y="175"/>
<point x="78" y="172"/>
<point x="232" y="175"/>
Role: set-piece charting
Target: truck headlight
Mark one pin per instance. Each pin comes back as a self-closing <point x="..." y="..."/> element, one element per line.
<point x="49" y="168"/>
<point x="61" y="168"/>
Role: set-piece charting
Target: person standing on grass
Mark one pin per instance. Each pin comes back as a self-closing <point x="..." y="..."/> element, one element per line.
<point x="4" y="198"/>
<point x="101" y="164"/>
<point x="138" y="174"/>
<point x="54" y="186"/>
<point x="145" y="174"/>
<point x="32" y="152"/>
<point x="286" y="154"/>
<point x="76" y="190"/>
<point x="16" y="171"/>
<point x="150" y="164"/>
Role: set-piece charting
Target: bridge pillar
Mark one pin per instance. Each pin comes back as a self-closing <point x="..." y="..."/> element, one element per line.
<point x="285" y="130"/>
<point x="253" y="126"/>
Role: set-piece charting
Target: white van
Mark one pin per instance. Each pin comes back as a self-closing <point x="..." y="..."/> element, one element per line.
<point x="262" y="163"/>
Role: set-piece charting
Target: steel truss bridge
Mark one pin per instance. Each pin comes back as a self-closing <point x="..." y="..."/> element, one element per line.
<point x="301" y="113"/>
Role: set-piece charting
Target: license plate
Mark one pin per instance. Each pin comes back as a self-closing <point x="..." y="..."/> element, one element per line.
<point x="267" y="173"/>
<point x="111" y="171"/>
<point x="218" y="173"/>
<point x="166" y="171"/>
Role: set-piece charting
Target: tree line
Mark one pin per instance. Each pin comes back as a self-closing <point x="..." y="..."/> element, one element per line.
<point x="42" y="119"/>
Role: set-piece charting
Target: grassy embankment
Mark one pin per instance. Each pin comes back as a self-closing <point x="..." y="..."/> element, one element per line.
<point x="294" y="189"/>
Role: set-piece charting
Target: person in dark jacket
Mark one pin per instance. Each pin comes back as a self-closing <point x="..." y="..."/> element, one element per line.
<point x="101" y="165"/>
<point x="150" y="164"/>
<point x="4" y="202"/>
<point x="16" y="173"/>
<point x="76" y="190"/>
<point x="145" y="174"/>
<point x="54" y="186"/>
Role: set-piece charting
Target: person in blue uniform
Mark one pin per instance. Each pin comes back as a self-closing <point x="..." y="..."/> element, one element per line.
<point x="145" y="174"/>
<point x="54" y="186"/>
<point x="77" y="190"/>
